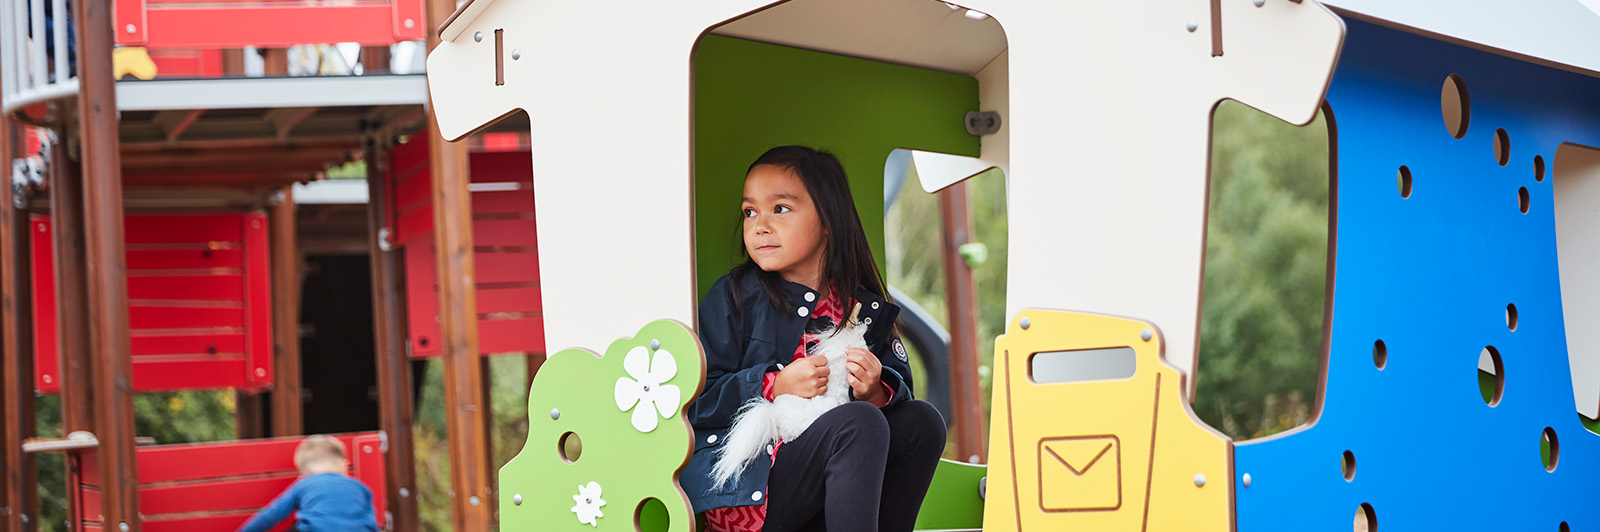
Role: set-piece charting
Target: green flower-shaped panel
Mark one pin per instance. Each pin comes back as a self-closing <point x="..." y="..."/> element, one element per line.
<point x="606" y="438"/>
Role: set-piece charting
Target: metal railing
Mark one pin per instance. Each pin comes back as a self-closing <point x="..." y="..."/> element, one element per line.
<point x="36" y="63"/>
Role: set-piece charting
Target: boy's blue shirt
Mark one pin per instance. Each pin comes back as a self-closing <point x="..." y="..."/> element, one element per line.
<point x="321" y="502"/>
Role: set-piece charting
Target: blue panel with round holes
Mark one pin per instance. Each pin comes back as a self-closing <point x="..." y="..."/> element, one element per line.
<point x="1430" y="275"/>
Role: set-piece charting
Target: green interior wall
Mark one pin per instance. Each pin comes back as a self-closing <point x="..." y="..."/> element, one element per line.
<point x="750" y="96"/>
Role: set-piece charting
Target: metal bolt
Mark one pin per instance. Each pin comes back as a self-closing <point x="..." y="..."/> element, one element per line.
<point x="473" y="500"/>
<point x="410" y="23"/>
<point x="516" y="499"/>
<point x="1199" y="480"/>
<point x="555" y="413"/>
<point x="1026" y="323"/>
<point x="405" y="492"/>
<point x="972" y="459"/>
<point x="261" y="372"/>
<point x="516" y="54"/>
<point x="255" y="224"/>
<point x="132" y="29"/>
<point x="1192" y="26"/>
<point x="655" y="344"/>
<point x="983" y="488"/>
<point x="48" y="380"/>
<point x="1246" y="480"/>
<point x="366" y="449"/>
<point x="477" y="37"/>
<point x="1146" y="335"/>
<point x="647" y="387"/>
<point x="1260" y="3"/>
<point x="123" y="526"/>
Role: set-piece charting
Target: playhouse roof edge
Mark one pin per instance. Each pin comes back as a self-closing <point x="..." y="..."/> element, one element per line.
<point x="1548" y="32"/>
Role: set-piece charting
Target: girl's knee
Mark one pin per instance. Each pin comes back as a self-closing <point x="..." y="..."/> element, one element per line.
<point x="864" y="419"/>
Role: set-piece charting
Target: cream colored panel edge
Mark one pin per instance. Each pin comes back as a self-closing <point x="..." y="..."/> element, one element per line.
<point x="1109" y="116"/>
<point x="1577" y="188"/>
<point x="608" y="97"/>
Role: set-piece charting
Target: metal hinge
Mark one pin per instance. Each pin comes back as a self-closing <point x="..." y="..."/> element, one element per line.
<point x="983" y="122"/>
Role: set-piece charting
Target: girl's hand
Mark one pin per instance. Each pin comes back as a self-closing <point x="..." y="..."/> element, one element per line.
<point x="865" y="375"/>
<point x="804" y="378"/>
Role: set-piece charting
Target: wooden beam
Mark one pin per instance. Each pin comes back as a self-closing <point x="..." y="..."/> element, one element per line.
<point x="965" y="396"/>
<point x="284" y="120"/>
<point x="287" y="406"/>
<point x="18" y="495"/>
<point x="375" y="60"/>
<point x="72" y="292"/>
<point x="210" y="158"/>
<point x="174" y="123"/>
<point x="389" y="340"/>
<point x="465" y="413"/>
<point x="108" y="282"/>
<point x="194" y="145"/>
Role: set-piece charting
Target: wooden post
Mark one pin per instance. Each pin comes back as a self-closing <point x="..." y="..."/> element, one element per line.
<point x="375" y="60"/>
<point x="72" y="292"/>
<point x="388" y="329"/>
<point x="108" y="281"/>
<point x="965" y="394"/>
<point x="18" y="512"/>
<point x="287" y="406"/>
<point x="274" y="61"/>
<point x="465" y="413"/>
<point x="248" y="418"/>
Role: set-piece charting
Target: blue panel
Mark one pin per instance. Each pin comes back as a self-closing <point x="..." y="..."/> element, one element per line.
<point x="1431" y="276"/>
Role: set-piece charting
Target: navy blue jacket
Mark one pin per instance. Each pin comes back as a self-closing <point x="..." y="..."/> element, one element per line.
<point x="741" y="346"/>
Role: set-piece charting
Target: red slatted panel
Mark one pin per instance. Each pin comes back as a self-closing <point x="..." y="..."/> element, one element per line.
<point x="236" y="24"/>
<point x="208" y="487"/>
<point x="178" y="63"/>
<point x="510" y="311"/>
<point x="199" y="302"/>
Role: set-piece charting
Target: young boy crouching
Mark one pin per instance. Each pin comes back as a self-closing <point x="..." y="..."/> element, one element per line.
<point x="324" y="498"/>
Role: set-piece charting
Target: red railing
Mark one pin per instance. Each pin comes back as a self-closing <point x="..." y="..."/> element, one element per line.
<point x="266" y="23"/>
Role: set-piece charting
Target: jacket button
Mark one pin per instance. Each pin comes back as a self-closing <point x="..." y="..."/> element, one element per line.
<point x="810" y="296"/>
<point x="874" y="305"/>
<point x="769" y="449"/>
<point x="803" y="311"/>
<point x="780" y="367"/>
<point x="711" y="439"/>
<point x="755" y="496"/>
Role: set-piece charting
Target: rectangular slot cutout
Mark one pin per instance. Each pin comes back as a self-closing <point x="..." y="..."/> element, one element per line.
<point x="500" y="57"/>
<point x="1054" y="367"/>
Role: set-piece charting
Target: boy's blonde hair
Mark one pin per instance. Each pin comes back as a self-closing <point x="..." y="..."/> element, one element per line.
<point x="319" y="452"/>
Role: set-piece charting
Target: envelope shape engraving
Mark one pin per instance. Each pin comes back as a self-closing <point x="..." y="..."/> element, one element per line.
<point x="1080" y="473"/>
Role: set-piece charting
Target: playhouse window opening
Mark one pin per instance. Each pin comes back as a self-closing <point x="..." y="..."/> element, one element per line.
<point x="1265" y="289"/>
<point x="1575" y="183"/>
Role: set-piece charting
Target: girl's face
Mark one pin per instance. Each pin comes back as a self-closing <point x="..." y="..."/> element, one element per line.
<point x="782" y="230"/>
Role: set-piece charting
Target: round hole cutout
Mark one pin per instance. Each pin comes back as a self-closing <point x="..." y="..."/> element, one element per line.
<point x="1564" y="527"/>
<point x="1348" y="466"/>
<point x="1511" y="316"/>
<point x="1538" y="168"/>
<point x="570" y="447"/>
<point x="1403" y="180"/>
<point x="1502" y="147"/>
<point x="1366" y="519"/>
<point x="1455" y="106"/>
<point x="1491" y="375"/>
<point x="1522" y="200"/>
<point x="1380" y="354"/>
<point x="651" y="516"/>
<point x="1549" y="449"/>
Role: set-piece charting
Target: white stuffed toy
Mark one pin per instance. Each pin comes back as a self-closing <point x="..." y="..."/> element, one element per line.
<point x="761" y="422"/>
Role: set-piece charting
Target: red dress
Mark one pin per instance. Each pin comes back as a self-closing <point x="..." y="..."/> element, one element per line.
<point x="751" y="518"/>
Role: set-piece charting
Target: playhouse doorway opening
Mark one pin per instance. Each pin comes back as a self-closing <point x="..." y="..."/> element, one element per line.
<point x="1576" y="180"/>
<point x="862" y="81"/>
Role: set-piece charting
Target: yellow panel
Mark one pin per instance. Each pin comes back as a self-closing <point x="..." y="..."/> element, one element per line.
<point x="1110" y="454"/>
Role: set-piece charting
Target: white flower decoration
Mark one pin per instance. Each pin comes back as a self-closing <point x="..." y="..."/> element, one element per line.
<point x="645" y="390"/>
<point x="589" y="503"/>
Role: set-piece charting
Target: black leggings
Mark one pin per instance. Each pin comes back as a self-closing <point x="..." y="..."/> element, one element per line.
<point x="857" y="468"/>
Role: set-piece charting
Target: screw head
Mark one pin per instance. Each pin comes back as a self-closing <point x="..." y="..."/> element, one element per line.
<point x="1246" y="480"/>
<point x="555" y="413"/>
<point x="516" y="54"/>
<point x="1192" y="26"/>
<point x="404" y="492"/>
<point x="655" y="345"/>
<point x="1026" y="323"/>
<point x="473" y="500"/>
<point x="1146" y="335"/>
<point x="410" y="23"/>
<point x="1259" y="3"/>
<point x="131" y="29"/>
<point x="123" y="526"/>
<point x="1199" y="480"/>
<point x="516" y="499"/>
<point x="477" y="37"/>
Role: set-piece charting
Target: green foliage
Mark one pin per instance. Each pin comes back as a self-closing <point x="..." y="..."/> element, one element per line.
<point x="508" y="394"/>
<point x="1265" y="273"/>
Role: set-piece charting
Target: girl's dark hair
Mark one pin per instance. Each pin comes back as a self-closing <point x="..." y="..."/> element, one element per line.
<point x="847" y="260"/>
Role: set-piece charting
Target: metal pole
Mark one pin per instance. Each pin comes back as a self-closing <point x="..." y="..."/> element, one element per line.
<point x="965" y="395"/>
<point x="394" y="366"/>
<point x="106" y="257"/>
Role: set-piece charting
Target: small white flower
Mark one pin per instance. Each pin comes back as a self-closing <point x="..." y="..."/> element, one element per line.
<point x="589" y="503"/>
<point x="645" y="390"/>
